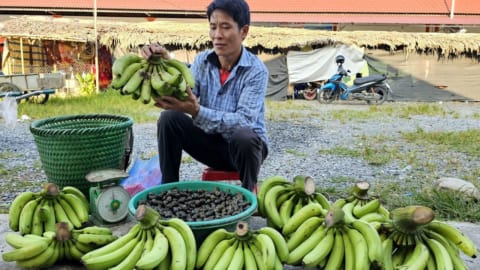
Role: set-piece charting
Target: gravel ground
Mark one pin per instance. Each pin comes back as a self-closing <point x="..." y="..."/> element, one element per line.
<point x="294" y="147"/>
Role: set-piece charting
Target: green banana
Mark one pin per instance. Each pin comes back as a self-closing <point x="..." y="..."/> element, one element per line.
<point x="156" y="81"/>
<point x="61" y="215"/>
<point x="303" y="232"/>
<point x="115" y="245"/>
<point x="187" y="236"/>
<point x="309" y="210"/>
<point x="322" y="200"/>
<point x="131" y="259"/>
<point x="127" y="75"/>
<point x="69" y="211"/>
<point x="296" y="255"/>
<point x="96" y="239"/>
<point x="271" y="210"/>
<point x="349" y="263"/>
<point x="227" y="257"/>
<point x="257" y="255"/>
<point x="210" y="243"/>
<point x="94" y="230"/>
<point x="80" y="209"/>
<point x="37" y="224"/>
<point x="120" y="65"/>
<point x="26" y="252"/>
<point x="146" y="91"/>
<point x="268" y="183"/>
<point x="16" y="208"/>
<point x="178" y="248"/>
<point x="47" y="216"/>
<point x="41" y="260"/>
<point x="371" y="206"/>
<point x="75" y="253"/>
<point x="281" y="247"/>
<point x="135" y="81"/>
<point x="78" y="194"/>
<point x="360" y="248"/>
<point x="111" y="259"/>
<point x="320" y="252"/>
<point x="286" y="209"/>
<point x="453" y="251"/>
<point x="464" y="243"/>
<point x="267" y="247"/>
<point x="335" y="259"/>
<point x="184" y="70"/>
<point x="387" y="247"/>
<point x="55" y="256"/>
<point x="238" y="259"/>
<point x="157" y="254"/>
<point x="418" y="259"/>
<point x="217" y="252"/>
<point x="373" y="240"/>
<point x="84" y="248"/>
<point x="249" y="260"/>
<point x="439" y="252"/>
<point x="26" y="216"/>
<point x="17" y="241"/>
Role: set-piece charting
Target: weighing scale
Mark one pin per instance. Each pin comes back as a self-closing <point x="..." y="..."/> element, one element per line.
<point x="108" y="200"/>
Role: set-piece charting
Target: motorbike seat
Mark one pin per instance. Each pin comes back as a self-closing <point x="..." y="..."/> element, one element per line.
<point x="371" y="78"/>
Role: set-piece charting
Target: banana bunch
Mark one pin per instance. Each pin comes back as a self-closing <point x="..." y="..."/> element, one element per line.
<point x="264" y="248"/>
<point x="333" y="242"/>
<point x="43" y="251"/>
<point x="279" y="200"/>
<point x="155" y="77"/>
<point x="38" y="212"/>
<point x="152" y="243"/>
<point x="360" y="205"/>
<point x="414" y="239"/>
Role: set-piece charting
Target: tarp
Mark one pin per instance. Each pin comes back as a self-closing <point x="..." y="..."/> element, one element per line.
<point x="278" y="78"/>
<point x="319" y="64"/>
<point x="427" y="78"/>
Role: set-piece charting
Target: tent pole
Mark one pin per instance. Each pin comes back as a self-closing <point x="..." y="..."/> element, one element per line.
<point x="97" y="69"/>
<point x="21" y="55"/>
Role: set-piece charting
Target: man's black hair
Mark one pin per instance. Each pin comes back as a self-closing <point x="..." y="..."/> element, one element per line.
<point x="237" y="9"/>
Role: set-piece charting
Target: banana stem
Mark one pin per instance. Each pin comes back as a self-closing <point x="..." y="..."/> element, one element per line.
<point x="62" y="232"/>
<point x="304" y="184"/>
<point x="242" y="231"/>
<point x="360" y="190"/>
<point x="50" y="190"/>
<point x="410" y="218"/>
<point x="147" y="216"/>
<point x="334" y="217"/>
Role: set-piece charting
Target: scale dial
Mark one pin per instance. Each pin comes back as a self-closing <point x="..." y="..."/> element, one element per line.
<point x="112" y="204"/>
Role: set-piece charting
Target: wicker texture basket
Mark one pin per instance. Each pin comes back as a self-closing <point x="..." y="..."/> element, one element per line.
<point x="73" y="145"/>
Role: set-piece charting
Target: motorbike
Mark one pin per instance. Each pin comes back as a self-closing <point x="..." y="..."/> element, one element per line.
<point x="373" y="89"/>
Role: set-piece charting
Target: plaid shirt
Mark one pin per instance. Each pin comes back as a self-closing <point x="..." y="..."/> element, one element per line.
<point x="240" y="102"/>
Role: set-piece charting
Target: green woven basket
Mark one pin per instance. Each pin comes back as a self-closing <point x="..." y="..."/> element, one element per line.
<point x="73" y="145"/>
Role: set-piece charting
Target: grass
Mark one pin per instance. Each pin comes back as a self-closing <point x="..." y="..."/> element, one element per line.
<point x="412" y="191"/>
<point x="107" y="102"/>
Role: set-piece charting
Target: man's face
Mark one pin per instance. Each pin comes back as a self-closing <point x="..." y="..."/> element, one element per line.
<point x="226" y="37"/>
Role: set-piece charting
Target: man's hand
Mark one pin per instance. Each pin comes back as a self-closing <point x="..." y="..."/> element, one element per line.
<point x="154" y="48"/>
<point x="189" y="106"/>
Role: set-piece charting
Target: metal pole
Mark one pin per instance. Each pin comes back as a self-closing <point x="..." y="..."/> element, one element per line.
<point x="452" y="12"/>
<point x="97" y="70"/>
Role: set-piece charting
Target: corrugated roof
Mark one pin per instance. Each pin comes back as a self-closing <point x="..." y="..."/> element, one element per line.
<point x="283" y="10"/>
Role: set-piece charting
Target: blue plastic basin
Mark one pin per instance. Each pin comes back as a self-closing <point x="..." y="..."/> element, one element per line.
<point x="201" y="229"/>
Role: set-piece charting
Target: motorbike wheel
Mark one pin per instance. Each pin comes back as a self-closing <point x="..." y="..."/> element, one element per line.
<point x="326" y="96"/>
<point x="382" y="92"/>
